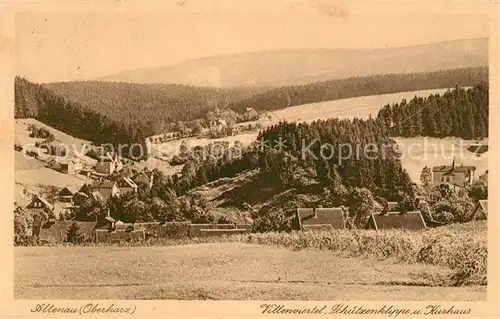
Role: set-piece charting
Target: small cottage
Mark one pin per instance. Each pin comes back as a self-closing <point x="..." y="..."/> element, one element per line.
<point x="66" y="194"/>
<point x="79" y="198"/>
<point x="319" y="219"/>
<point x="106" y="188"/>
<point x="126" y="185"/>
<point x="40" y="203"/>
<point x="251" y="114"/>
<point x="144" y="178"/>
<point x="397" y="220"/>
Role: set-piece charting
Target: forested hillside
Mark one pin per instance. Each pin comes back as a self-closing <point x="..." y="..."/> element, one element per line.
<point x="459" y="112"/>
<point x="287" y="96"/>
<point x="332" y="177"/>
<point x="36" y="101"/>
<point x="158" y="104"/>
<point x="322" y="152"/>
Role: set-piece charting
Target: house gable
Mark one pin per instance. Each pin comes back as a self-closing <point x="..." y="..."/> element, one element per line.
<point x="67" y="191"/>
<point x="39" y="202"/>
<point x="479" y="211"/>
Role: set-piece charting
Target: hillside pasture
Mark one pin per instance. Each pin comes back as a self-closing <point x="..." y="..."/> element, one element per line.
<point x="360" y="107"/>
<point x="222" y="271"/>
<point x="74" y="145"/>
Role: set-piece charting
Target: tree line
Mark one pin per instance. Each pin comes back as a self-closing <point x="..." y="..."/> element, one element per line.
<point x="34" y="100"/>
<point x="157" y="105"/>
<point x="459" y="112"/>
<point x="287" y="96"/>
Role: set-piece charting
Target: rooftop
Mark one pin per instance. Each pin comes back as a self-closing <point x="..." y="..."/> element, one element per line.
<point x="451" y="169"/>
<point x="397" y="220"/>
<point x="321" y="216"/>
<point x="102" y="184"/>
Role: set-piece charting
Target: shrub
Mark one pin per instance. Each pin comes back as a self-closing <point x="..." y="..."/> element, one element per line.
<point x="23" y="226"/>
<point x="74" y="235"/>
<point x="40" y="132"/>
<point x="176" y="230"/>
<point x="270" y="219"/>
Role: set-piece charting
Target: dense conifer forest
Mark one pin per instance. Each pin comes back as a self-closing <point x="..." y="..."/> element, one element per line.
<point x="459" y="112"/>
<point x="34" y="100"/>
<point x="149" y="103"/>
<point x="287" y="96"/>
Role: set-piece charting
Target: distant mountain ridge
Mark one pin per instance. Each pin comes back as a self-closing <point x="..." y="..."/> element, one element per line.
<point x="297" y="67"/>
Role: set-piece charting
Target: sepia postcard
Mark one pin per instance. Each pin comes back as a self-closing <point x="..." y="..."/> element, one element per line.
<point x="245" y="159"/>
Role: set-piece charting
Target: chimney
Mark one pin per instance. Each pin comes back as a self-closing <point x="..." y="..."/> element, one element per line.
<point x="453" y="163"/>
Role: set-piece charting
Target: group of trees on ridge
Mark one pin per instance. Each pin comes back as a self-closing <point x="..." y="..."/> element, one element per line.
<point x="34" y="100"/>
<point x="459" y="112"/>
<point x="286" y="96"/>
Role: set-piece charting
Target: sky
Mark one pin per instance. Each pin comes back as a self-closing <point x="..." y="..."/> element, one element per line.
<point x="63" y="46"/>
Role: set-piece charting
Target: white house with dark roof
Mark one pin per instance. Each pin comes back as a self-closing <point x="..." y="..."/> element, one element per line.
<point x="461" y="175"/>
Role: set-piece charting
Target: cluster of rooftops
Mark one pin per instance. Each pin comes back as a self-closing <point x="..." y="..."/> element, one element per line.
<point x="335" y="218"/>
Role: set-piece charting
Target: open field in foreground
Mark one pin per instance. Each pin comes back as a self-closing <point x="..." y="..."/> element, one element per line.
<point x="242" y="270"/>
<point x="221" y="271"/>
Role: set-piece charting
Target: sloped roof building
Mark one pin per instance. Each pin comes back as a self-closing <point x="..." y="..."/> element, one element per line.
<point x="319" y="218"/>
<point x="397" y="220"/>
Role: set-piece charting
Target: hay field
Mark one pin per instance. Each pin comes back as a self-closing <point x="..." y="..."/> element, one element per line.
<point x="220" y="271"/>
<point x="360" y="107"/>
<point x="285" y="266"/>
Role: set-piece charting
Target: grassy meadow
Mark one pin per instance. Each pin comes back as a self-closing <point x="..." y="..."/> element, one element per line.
<point x="448" y="263"/>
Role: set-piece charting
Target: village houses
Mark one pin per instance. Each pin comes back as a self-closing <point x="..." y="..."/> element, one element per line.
<point x="218" y="125"/>
<point x="126" y="185"/>
<point x="105" y="188"/>
<point x="68" y="166"/>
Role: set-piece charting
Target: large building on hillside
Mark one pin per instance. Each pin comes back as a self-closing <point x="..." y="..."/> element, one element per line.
<point x="461" y="176"/>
